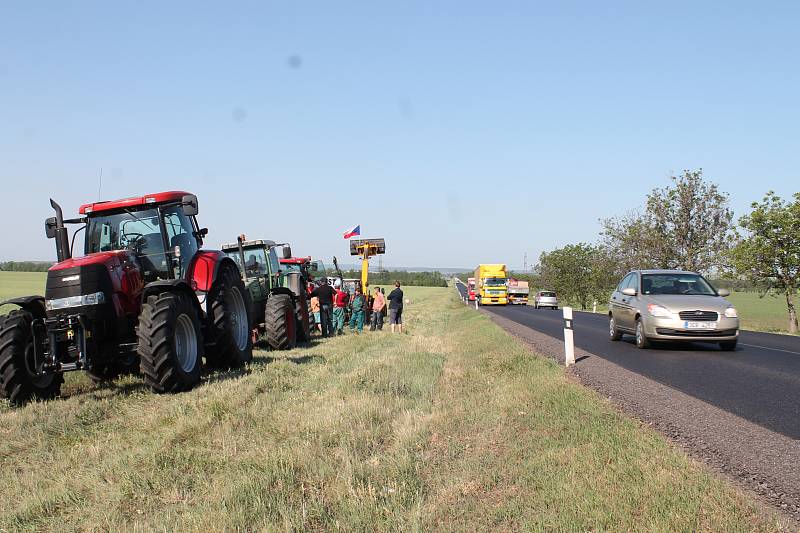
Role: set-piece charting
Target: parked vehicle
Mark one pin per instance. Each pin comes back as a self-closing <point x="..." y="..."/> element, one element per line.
<point x="672" y="305"/>
<point x="279" y="309"/>
<point x="490" y="280"/>
<point x="144" y="296"/>
<point x="545" y="299"/>
<point x="471" y="293"/>
<point x="518" y="292"/>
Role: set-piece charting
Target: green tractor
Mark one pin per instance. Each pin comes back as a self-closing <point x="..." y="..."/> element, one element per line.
<point x="279" y="299"/>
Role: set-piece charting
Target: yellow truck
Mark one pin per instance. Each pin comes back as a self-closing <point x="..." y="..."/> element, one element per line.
<point x="490" y="284"/>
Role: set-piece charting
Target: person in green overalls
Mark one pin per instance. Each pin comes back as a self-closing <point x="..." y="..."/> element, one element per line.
<point x="357" y="312"/>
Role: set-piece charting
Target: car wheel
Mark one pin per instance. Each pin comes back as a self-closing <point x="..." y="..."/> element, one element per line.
<point x="642" y="342"/>
<point x="728" y="346"/>
<point x="613" y="333"/>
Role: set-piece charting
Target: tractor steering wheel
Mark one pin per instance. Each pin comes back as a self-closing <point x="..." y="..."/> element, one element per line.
<point x="131" y="240"/>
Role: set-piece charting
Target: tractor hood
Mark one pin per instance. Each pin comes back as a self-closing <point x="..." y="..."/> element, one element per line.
<point x="99" y="258"/>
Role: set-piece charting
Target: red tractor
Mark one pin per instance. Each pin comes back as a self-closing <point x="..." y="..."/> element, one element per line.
<point x="144" y="296"/>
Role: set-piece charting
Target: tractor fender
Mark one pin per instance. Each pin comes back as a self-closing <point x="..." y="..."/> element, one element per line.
<point x="32" y="304"/>
<point x="283" y="290"/>
<point x="172" y="285"/>
<point x="204" y="267"/>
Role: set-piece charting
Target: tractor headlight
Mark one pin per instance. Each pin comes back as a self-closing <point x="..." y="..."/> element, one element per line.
<point x="657" y="310"/>
<point x="95" y="298"/>
<point x="730" y="312"/>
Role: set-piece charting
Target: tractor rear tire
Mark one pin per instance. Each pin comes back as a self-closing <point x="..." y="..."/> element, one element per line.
<point x="230" y="317"/>
<point x="170" y="343"/>
<point x="17" y="380"/>
<point x="281" y="323"/>
<point x="302" y="319"/>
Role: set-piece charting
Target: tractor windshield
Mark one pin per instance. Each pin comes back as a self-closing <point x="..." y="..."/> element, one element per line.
<point x="140" y="232"/>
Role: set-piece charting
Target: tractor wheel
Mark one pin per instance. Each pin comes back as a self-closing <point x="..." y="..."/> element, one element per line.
<point x="170" y="343"/>
<point x="281" y="322"/>
<point x="302" y="319"/>
<point x="229" y="304"/>
<point x="18" y="381"/>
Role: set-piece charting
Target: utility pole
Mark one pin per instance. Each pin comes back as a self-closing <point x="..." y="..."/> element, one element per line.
<point x="525" y="264"/>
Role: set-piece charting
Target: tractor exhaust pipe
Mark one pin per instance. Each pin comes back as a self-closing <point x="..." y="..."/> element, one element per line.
<point x="59" y="231"/>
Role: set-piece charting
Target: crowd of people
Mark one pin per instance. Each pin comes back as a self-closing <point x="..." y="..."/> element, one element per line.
<point x="332" y="307"/>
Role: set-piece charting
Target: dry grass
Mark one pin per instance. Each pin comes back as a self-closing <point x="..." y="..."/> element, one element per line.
<point x="453" y="426"/>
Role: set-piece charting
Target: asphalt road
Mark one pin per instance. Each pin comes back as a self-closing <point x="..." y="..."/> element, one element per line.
<point x="760" y="381"/>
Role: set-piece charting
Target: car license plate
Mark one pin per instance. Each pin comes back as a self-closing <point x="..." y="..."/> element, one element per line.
<point x="699" y="325"/>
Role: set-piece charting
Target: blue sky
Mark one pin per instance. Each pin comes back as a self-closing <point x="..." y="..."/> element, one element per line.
<point x="462" y="132"/>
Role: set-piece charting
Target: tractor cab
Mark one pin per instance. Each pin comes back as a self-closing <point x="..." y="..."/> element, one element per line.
<point x="259" y="265"/>
<point x="159" y="230"/>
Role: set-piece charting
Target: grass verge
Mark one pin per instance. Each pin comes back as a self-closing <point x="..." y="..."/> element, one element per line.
<point x="453" y="426"/>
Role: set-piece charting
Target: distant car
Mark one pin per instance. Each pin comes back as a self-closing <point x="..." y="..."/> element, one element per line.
<point x="672" y="305"/>
<point x="545" y="299"/>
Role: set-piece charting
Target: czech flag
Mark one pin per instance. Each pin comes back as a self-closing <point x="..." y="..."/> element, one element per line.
<point x="352" y="232"/>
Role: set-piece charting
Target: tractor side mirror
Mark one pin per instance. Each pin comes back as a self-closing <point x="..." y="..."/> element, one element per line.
<point x="190" y="206"/>
<point x="50" y="225"/>
<point x="287" y="252"/>
<point x="202" y="232"/>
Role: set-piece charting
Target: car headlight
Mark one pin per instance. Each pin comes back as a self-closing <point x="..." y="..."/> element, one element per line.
<point x="730" y="312"/>
<point x="95" y="298"/>
<point x="657" y="310"/>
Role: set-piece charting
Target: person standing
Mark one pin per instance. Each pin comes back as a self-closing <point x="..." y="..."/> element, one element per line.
<point x="396" y="308"/>
<point x="315" y="311"/>
<point x="382" y="316"/>
<point x="325" y="293"/>
<point x="357" y="312"/>
<point x="378" y="301"/>
<point x="339" y="305"/>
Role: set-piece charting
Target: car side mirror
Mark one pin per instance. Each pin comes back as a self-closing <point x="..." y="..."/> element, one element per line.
<point x="724" y="292"/>
<point x="287" y="252"/>
<point x="50" y="225"/>
<point x="190" y="206"/>
<point x="628" y="291"/>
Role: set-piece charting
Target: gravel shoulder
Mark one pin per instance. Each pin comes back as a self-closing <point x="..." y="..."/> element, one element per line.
<point x="757" y="459"/>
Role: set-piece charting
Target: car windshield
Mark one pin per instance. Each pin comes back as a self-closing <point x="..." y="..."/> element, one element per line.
<point x="690" y="284"/>
<point x="495" y="282"/>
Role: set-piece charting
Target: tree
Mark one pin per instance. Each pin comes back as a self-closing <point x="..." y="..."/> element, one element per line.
<point x="687" y="225"/>
<point x="769" y="254"/>
<point x="578" y="273"/>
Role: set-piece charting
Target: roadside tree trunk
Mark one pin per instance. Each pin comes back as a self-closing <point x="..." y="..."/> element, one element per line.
<point x="792" y="310"/>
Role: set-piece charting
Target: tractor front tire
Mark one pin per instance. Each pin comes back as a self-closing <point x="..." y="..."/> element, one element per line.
<point x="281" y="322"/>
<point x="230" y="317"/>
<point x="170" y="343"/>
<point x="18" y="382"/>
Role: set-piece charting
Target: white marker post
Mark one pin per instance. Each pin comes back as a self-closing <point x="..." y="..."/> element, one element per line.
<point x="476" y="303"/>
<point x="569" y="342"/>
<point x="594" y="307"/>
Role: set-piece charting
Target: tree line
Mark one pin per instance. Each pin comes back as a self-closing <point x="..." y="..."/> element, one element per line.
<point x="24" y="266"/>
<point x="389" y="277"/>
<point x="686" y="225"/>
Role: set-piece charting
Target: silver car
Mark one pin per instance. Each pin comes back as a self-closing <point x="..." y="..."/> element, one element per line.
<point x="671" y="305"/>
<point x="545" y="299"/>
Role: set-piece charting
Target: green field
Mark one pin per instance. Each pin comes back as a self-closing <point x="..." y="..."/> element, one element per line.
<point x="14" y="284"/>
<point x="453" y="426"/>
